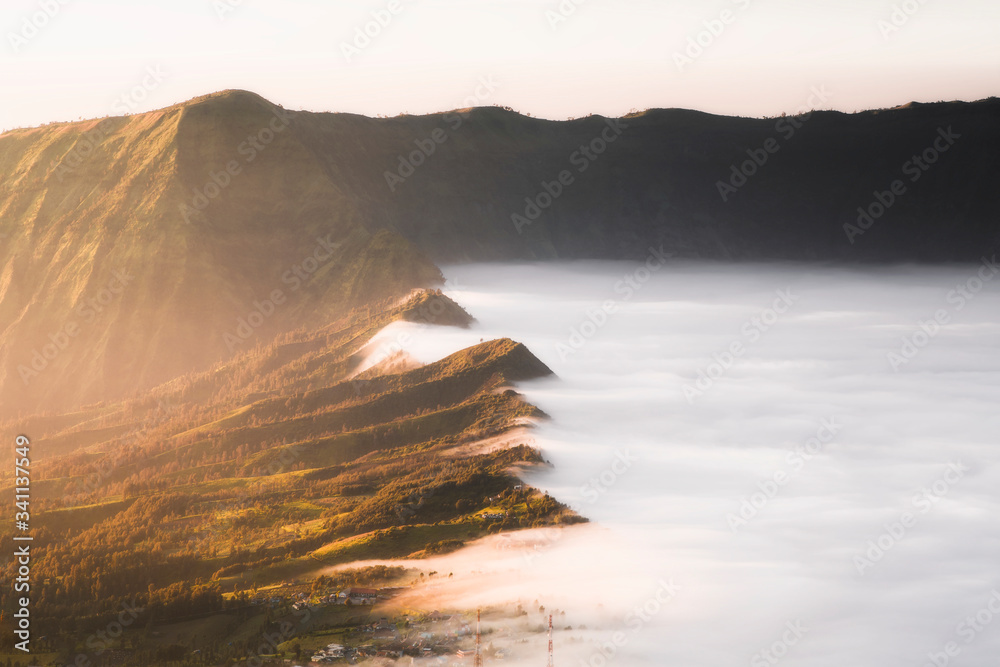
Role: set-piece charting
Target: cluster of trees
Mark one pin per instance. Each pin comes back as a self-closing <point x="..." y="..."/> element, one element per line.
<point x="364" y="576"/>
<point x="193" y="487"/>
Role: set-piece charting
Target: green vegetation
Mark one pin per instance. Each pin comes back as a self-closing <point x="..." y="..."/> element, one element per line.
<point x="196" y="499"/>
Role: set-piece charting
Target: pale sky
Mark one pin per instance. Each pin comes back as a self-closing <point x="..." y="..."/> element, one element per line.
<point x="606" y="56"/>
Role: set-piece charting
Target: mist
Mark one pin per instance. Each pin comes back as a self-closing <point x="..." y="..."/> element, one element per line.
<point x="804" y="456"/>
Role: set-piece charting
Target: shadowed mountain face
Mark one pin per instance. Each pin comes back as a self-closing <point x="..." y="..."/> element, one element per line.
<point x="138" y="249"/>
<point x="493" y="185"/>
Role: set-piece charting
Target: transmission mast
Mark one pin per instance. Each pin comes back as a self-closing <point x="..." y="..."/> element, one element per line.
<point x="552" y="662"/>
<point x="477" y="661"/>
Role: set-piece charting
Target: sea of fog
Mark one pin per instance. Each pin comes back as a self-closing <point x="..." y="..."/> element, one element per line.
<point x="782" y="464"/>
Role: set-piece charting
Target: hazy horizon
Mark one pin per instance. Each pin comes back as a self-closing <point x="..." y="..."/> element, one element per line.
<point x="550" y="59"/>
<point x="519" y="111"/>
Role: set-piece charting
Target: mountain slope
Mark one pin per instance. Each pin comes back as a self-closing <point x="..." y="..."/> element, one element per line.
<point x="138" y="249"/>
<point x="188" y="500"/>
<point x="111" y="284"/>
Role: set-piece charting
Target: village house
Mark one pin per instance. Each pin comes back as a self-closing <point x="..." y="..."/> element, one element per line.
<point x="354" y="595"/>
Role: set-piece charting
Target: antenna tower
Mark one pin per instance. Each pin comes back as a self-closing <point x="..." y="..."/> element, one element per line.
<point x="552" y="662"/>
<point x="477" y="661"/>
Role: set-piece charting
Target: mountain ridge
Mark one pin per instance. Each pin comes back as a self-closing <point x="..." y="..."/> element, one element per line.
<point x="228" y="94"/>
<point x="220" y="205"/>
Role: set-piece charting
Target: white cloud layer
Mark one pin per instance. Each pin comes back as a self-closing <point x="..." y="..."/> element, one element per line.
<point x="813" y="505"/>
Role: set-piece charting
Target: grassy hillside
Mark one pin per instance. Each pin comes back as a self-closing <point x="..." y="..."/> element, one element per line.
<point x="132" y="254"/>
<point x="270" y="466"/>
